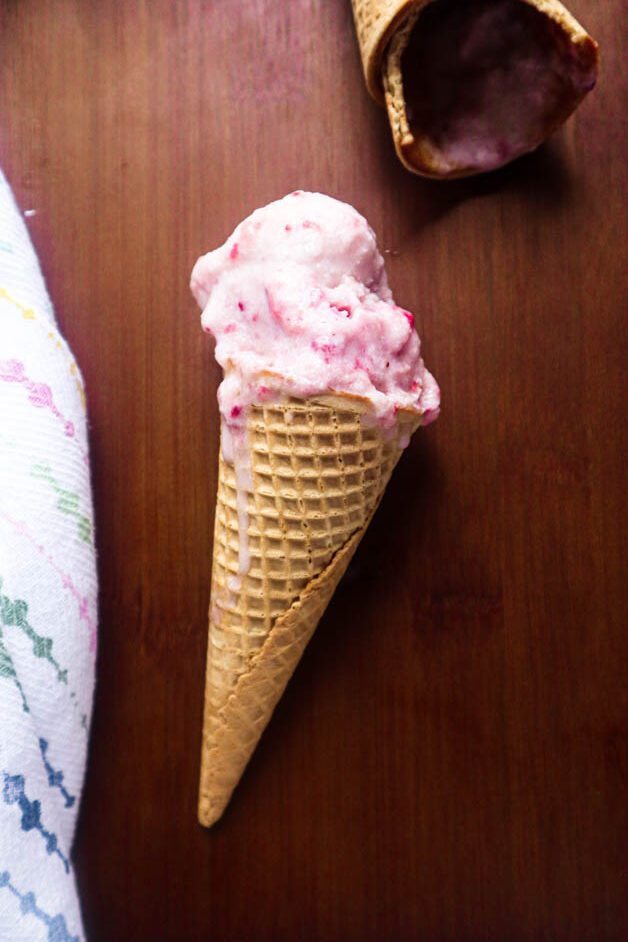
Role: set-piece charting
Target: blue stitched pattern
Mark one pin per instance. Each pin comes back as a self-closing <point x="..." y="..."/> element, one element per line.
<point x="55" y="777"/>
<point x="13" y="793"/>
<point x="57" y="926"/>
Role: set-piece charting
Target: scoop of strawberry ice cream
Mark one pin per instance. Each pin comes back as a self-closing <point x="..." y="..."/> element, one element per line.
<point x="299" y="304"/>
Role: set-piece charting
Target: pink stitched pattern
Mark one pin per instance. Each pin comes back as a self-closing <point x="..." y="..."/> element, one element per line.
<point x="66" y="579"/>
<point x="39" y="394"/>
<point x="28" y="314"/>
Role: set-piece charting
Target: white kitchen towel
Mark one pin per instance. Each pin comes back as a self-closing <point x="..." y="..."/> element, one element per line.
<point x="48" y="595"/>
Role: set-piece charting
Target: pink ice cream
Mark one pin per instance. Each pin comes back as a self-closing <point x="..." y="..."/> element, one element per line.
<point x="299" y="304"/>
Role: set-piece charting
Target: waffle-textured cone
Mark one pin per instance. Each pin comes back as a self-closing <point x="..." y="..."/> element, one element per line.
<point x="384" y="28"/>
<point x="317" y="473"/>
<point x="376" y="22"/>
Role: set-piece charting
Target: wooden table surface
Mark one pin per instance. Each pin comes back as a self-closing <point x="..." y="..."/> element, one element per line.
<point x="446" y="763"/>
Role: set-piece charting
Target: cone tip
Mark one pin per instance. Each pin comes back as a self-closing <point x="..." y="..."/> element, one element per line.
<point x="209" y="812"/>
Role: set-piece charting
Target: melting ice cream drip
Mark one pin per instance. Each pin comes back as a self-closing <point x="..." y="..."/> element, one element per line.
<point x="234" y="583"/>
<point x="234" y="444"/>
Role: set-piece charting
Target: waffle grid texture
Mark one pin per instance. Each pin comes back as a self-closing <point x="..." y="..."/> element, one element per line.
<point x="318" y="473"/>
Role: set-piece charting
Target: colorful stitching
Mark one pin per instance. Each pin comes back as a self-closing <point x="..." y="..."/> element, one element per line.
<point x="68" y="502"/>
<point x="15" y="614"/>
<point x="7" y="669"/>
<point x="39" y="394"/>
<point x="14" y="793"/>
<point x="55" y="777"/>
<point x="29" y="315"/>
<point x="66" y="579"/>
<point x="57" y="927"/>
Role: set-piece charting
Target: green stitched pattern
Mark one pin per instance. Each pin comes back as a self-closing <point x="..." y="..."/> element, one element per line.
<point x="15" y="614"/>
<point x="68" y="501"/>
<point x="7" y="670"/>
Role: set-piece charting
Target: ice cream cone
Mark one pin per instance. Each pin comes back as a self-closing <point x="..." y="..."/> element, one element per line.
<point x="384" y="29"/>
<point x="318" y="470"/>
<point x="323" y="386"/>
<point x="376" y="22"/>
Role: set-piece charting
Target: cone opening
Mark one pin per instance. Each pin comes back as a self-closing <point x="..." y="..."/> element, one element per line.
<point x="485" y="81"/>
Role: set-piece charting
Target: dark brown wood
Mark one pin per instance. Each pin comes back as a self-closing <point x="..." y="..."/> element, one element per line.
<point x="446" y="764"/>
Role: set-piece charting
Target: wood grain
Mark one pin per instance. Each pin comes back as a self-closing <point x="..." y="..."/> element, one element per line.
<point x="447" y="762"/>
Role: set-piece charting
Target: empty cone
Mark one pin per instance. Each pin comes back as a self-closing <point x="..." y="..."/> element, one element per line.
<point x="385" y="28"/>
<point x="317" y="473"/>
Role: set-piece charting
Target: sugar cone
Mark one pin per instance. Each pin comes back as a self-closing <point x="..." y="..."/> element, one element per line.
<point x="318" y="473"/>
<point x="376" y="22"/>
<point x="384" y="28"/>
